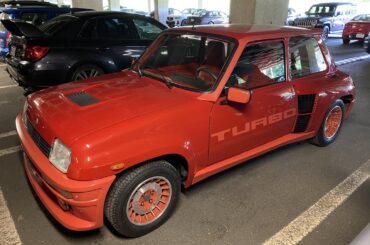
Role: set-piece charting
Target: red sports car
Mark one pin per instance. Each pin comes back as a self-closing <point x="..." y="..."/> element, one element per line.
<point x="198" y="101"/>
<point x="357" y="29"/>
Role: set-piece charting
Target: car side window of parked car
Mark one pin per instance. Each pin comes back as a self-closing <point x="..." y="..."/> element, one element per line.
<point x="116" y="29"/>
<point x="146" y="29"/>
<point x="88" y="30"/>
<point x="305" y="57"/>
<point x="259" y="65"/>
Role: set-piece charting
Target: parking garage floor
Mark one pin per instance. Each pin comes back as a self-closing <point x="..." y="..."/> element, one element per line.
<point x="299" y="193"/>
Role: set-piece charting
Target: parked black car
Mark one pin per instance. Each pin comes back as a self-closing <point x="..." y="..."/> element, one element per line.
<point x="76" y="46"/>
<point x="331" y="17"/>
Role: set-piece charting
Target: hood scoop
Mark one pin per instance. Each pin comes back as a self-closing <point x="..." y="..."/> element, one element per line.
<point x="82" y="98"/>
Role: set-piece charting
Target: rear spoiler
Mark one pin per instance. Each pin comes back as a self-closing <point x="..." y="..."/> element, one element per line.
<point x="22" y="28"/>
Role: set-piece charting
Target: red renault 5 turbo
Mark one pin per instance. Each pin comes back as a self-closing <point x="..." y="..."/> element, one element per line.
<point x="357" y="29"/>
<point x="198" y="101"/>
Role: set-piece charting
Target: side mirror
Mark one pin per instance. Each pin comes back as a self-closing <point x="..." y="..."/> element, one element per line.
<point x="238" y="95"/>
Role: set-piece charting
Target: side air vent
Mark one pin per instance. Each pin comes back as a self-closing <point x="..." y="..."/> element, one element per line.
<point x="82" y="98"/>
<point x="302" y="123"/>
<point x="306" y="103"/>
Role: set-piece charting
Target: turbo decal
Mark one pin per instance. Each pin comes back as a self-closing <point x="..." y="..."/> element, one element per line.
<point x="255" y="124"/>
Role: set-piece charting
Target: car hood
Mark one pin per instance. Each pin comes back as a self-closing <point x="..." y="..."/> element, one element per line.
<point x="73" y="110"/>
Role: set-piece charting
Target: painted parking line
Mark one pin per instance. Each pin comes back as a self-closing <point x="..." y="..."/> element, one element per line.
<point x="7" y="134"/>
<point x="10" y="150"/>
<point x="351" y="60"/>
<point x="8" y="86"/>
<point x="8" y="232"/>
<point x="305" y="223"/>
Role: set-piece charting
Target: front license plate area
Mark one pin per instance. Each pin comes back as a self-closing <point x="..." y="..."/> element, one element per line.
<point x="360" y="35"/>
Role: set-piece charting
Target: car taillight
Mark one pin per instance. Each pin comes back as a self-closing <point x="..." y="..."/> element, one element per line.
<point x="7" y="39"/>
<point x="35" y="52"/>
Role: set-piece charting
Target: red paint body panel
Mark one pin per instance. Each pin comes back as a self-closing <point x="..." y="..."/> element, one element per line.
<point x="353" y="28"/>
<point x="137" y="119"/>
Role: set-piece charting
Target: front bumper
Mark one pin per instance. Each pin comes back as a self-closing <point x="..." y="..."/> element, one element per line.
<point x="86" y="201"/>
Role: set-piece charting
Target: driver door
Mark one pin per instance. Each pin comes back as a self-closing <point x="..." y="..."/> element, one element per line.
<point x="271" y="111"/>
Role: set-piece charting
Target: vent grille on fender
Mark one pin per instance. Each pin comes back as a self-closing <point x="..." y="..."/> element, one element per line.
<point x="82" y="98"/>
<point x="306" y="103"/>
<point x="302" y="123"/>
<point x="36" y="137"/>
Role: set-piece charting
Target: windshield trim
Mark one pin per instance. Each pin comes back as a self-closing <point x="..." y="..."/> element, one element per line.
<point x="188" y="32"/>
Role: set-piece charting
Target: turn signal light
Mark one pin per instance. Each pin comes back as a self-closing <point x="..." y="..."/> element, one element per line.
<point x="34" y="53"/>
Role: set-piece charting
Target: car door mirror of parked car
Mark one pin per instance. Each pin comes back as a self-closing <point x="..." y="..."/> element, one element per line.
<point x="238" y="95"/>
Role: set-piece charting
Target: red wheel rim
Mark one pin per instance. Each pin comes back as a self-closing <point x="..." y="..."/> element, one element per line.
<point x="332" y="122"/>
<point x="149" y="200"/>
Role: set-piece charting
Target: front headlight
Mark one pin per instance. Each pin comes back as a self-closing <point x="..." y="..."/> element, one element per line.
<point x="60" y="156"/>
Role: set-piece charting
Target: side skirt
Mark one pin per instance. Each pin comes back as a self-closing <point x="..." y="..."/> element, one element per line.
<point x="260" y="150"/>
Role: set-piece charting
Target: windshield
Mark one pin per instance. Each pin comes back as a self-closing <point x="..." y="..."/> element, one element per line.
<point x="322" y="9"/>
<point x="363" y="17"/>
<point x="190" y="61"/>
<point x="54" y="25"/>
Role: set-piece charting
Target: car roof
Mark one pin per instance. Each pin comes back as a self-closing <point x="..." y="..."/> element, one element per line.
<point x="333" y="3"/>
<point x="240" y="31"/>
<point x="92" y="14"/>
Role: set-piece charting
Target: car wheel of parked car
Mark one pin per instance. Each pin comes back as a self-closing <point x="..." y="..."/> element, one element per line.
<point x="142" y="199"/>
<point x="331" y="125"/>
<point x="86" y="71"/>
<point x="210" y="23"/>
<point x="325" y="33"/>
<point x="346" y="41"/>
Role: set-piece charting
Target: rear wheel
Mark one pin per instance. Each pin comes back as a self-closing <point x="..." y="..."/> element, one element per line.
<point x="183" y="22"/>
<point x="331" y="125"/>
<point x="346" y="41"/>
<point x="86" y="71"/>
<point x="142" y="199"/>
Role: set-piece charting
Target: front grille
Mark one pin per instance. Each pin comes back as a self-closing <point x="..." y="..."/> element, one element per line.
<point x="308" y="23"/>
<point x="39" y="141"/>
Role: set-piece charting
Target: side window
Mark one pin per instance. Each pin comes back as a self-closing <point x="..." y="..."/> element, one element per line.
<point x="34" y="18"/>
<point x="115" y="29"/>
<point x="305" y="57"/>
<point x="88" y="30"/>
<point x="260" y="65"/>
<point x="146" y="30"/>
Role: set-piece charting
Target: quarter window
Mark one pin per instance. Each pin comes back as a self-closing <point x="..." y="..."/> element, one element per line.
<point x="259" y="65"/>
<point x="35" y="18"/>
<point x="305" y="57"/>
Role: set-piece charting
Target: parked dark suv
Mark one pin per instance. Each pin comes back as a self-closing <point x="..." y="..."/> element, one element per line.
<point x="76" y="46"/>
<point x="331" y="17"/>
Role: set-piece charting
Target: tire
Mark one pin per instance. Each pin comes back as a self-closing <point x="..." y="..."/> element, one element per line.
<point x="86" y="71"/>
<point x="210" y="23"/>
<point x="346" y="41"/>
<point x="134" y="219"/>
<point x="325" y="33"/>
<point x="331" y="125"/>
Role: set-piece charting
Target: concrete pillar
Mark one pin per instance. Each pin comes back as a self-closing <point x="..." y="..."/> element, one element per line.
<point x="60" y="2"/>
<point x="161" y="10"/>
<point x="115" y="5"/>
<point x="90" y="4"/>
<point x="259" y="11"/>
<point x="200" y="4"/>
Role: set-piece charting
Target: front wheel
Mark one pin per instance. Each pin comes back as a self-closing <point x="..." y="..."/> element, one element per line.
<point x="346" y="41"/>
<point x="331" y="125"/>
<point x="142" y="199"/>
<point x="325" y="33"/>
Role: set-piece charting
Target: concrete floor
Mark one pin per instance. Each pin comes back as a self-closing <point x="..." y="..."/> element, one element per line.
<point x="245" y="205"/>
